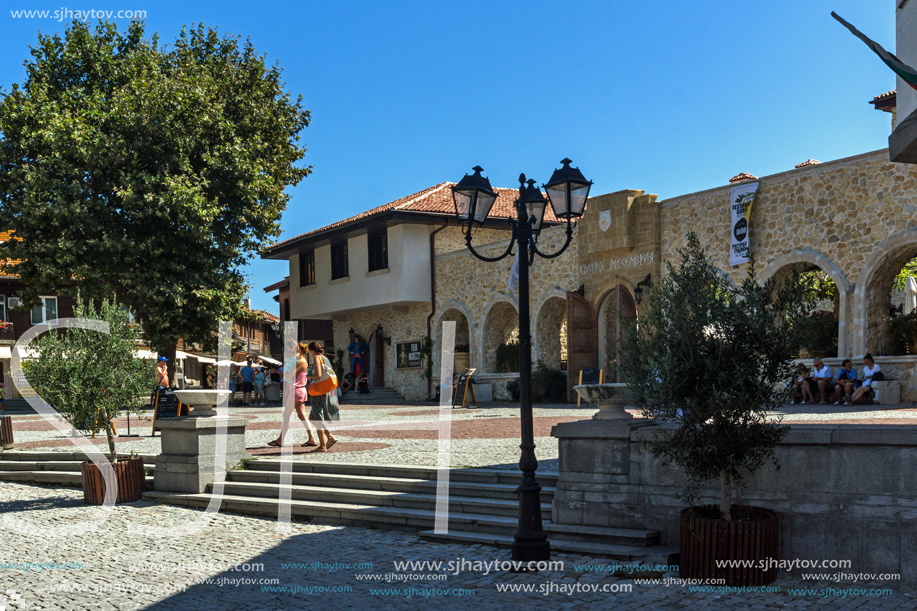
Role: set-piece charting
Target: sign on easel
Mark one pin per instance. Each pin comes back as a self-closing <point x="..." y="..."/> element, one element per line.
<point x="465" y="384"/>
<point x="166" y="405"/>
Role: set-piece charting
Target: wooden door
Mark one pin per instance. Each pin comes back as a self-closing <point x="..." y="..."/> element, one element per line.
<point x="582" y="346"/>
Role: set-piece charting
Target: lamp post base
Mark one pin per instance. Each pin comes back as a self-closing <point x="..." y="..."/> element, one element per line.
<point x="531" y="550"/>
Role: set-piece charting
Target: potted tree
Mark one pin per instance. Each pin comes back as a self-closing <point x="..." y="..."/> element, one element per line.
<point x="710" y="360"/>
<point x="89" y="376"/>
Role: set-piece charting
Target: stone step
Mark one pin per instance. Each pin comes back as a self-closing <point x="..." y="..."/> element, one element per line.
<point x="78" y="457"/>
<point x="655" y="555"/>
<point x="394" y="517"/>
<point x="491" y="476"/>
<point x="390" y="484"/>
<point x="68" y="466"/>
<point x="57" y="478"/>
<point x="601" y="534"/>
<point x="378" y="498"/>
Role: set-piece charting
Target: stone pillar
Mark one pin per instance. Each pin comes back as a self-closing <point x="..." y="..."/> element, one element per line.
<point x="188" y="462"/>
<point x="594" y="472"/>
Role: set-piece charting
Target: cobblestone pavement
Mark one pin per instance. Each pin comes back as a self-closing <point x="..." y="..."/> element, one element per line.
<point x="115" y="568"/>
<point x="382" y="434"/>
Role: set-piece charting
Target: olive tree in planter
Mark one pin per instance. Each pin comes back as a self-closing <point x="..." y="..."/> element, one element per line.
<point x="88" y="376"/>
<point x="712" y="359"/>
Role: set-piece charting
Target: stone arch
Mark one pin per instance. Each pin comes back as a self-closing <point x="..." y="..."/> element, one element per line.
<point x="845" y="289"/>
<point x="549" y="328"/>
<point x="452" y="310"/>
<point x="609" y="324"/>
<point x="871" y="295"/>
<point x="499" y="323"/>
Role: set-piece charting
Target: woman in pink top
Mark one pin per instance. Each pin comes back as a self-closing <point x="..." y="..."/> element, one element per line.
<point x="300" y="397"/>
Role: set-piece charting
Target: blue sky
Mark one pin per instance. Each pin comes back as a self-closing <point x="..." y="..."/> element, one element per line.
<point x="669" y="96"/>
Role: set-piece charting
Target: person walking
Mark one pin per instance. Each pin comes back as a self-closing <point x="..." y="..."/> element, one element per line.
<point x="259" y="386"/>
<point x="248" y="383"/>
<point x="300" y="397"/>
<point x="324" y="405"/>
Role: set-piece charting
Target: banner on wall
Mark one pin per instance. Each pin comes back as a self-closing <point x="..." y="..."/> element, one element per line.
<point x="741" y="198"/>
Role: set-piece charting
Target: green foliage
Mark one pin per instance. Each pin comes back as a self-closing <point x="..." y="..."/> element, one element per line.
<point x="909" y="270"/>
<point x="713" y="359"/>
<point x="507" y="357"/>
<point x="548" y="385"/>
<point x="426" y="353"/>
<point x="338" y="365"/>
<point x="818" y="333"/>
<point x="88" y="375"/>
<point x="149" y="172"/>
<point x="902" y="332"/>
<point x="513" y="388"/>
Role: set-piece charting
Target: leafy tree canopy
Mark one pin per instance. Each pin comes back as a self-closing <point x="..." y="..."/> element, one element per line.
<point x="145" y="171"/>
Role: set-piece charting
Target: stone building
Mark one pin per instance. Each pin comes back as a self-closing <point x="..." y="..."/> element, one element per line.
<point x="853" y="220"/>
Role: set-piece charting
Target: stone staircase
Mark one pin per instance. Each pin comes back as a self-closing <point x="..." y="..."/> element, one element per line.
<point x="53" y="468"/>
<point x="16" y="406"/>
<point x="483" y="506"/>
<point x="376" y="396"/>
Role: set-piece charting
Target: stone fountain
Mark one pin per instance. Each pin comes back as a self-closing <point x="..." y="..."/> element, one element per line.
<point x="188" y="462"/>
<point x="611" y="399"/>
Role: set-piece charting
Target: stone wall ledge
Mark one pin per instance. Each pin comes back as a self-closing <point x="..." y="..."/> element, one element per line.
<point x="821" y="434"/>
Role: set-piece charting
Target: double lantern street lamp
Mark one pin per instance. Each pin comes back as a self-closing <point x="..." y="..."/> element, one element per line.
<point x="474" y="197"/>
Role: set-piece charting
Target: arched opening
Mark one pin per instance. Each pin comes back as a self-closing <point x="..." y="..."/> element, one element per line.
<point x="617" y="308"/>
<point x="819" y="332"/>
<point x="501" y="339"/>
<point x="462" y="348"/>
<point x="551" y="334"/>
<point x="891" y="321"/>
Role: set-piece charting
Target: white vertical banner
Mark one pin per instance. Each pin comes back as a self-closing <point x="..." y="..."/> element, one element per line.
<point x="740" y="200"/>
<point x="513" y="281"/>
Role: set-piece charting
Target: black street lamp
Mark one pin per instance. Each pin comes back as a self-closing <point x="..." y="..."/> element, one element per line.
<point x="474" y="198"/>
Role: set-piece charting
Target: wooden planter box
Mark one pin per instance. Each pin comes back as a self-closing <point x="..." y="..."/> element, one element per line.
<point x="704" y="541"/>
<point x="6" y="432"/>
<point x="129" y="475"/>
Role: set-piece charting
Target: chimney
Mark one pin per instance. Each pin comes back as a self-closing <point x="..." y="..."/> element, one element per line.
<point x="807" y="163"/>
<point x="247" y="303"/>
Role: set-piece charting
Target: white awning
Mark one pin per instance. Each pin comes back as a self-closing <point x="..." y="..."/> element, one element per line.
<point x="5" y="352"/>
<point x="268" y="359"/>
<point x="204" y="359"/>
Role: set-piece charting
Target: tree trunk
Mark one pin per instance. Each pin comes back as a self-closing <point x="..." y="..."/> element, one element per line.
<point x="725" y="496"/>
<point x="111" y="442"/>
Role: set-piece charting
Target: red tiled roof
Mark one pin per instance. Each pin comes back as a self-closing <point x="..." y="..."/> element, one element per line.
<point x="807" y="163"/>
<point x="743" y="176"/>
<point x="267" y="315"/>
<point x="883" y="96"/>
<point x="434" y="200"/>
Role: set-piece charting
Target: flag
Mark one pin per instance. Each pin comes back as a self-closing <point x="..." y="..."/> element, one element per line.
<point x="907" y="74"/>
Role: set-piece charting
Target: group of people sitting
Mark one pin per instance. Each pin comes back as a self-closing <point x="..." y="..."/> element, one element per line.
<point x="844" y="388"/>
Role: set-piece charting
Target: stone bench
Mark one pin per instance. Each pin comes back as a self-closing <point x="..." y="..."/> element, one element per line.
<point x="888" y="392"/>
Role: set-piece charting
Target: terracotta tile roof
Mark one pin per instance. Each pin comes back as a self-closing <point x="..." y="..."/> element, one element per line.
<point x="743" y="176"/>
<point x="434" y="200"/>
<point x="883" y="96"/>
<point x="807" y="163"/>
<point x="267" y="315"/>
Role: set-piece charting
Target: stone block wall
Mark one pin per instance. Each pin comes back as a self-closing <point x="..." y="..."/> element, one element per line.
<point x="842" y="493"/>
<point x="856" y="218"/>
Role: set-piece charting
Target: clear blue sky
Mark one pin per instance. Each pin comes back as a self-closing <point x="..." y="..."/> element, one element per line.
<point x="669" y="96"/>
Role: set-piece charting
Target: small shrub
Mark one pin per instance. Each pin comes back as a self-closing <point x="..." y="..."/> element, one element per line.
<point x="507" y="357"/>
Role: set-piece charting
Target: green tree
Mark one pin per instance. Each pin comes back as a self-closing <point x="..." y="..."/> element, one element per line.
<point x="88" y="375"/>
<point x="713" y="358"/>
<point x="149" y="172"/>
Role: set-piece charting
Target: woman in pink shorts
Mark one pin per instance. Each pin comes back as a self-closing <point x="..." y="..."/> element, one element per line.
<point x="300" y="398"/>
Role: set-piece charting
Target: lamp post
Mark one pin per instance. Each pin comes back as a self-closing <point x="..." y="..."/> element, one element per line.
<point x="474" y="197"/>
